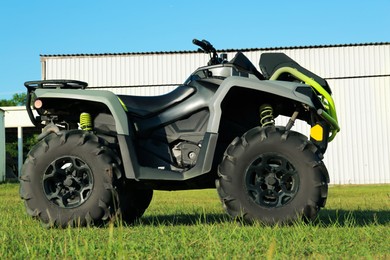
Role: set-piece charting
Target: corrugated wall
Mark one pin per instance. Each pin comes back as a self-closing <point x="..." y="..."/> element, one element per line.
<point x="360" y="154"/>
<point x="358" y="76"/>
<point x="126" y="70"/>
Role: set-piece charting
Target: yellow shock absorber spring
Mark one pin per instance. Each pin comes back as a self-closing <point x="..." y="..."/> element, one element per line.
<point x="266" y="115"/>
<point x="85" y="121"/>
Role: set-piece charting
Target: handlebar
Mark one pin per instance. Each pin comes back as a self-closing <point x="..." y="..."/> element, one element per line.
<point x="201" y="44"/>
<point x="207" y="47"/>
<point x="204" y="45"/>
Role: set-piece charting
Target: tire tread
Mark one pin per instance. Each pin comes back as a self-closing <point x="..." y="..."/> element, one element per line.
<point x="236" y="150"/>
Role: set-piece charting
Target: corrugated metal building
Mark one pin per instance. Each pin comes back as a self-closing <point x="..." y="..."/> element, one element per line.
<point x="359" y="75"/>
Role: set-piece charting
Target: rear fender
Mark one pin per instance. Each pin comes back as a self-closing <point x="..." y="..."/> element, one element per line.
<point x="109" y="99"/>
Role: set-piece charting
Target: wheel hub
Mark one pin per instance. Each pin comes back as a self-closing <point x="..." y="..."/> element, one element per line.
<point x="271" y="180"/>
<point x="68" y="182"/>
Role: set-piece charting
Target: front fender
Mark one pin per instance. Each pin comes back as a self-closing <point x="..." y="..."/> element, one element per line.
<point x="280" y="88"/>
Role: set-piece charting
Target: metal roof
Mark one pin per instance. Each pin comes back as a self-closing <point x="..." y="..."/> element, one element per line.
<point x="221" y="50"/>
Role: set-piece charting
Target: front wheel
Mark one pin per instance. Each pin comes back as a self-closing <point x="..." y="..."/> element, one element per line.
<point x="273" y="176"/>
<point x="67" y="179"/>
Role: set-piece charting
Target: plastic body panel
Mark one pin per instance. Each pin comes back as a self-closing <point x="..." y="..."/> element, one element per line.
<point x="208" y="96"/>
<point x="278" y="88"/>
<point x="100" y="96"/>
<point x="211" y="99"/>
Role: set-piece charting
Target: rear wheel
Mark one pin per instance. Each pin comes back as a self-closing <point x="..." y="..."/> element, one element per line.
<point x="67" y="179"/>
<point x="134" y="200"/>
<point x="273" y="176"/>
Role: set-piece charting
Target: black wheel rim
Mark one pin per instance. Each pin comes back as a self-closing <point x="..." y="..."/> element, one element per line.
<point x="68" y="182"/>
<point x="272" y="181"/>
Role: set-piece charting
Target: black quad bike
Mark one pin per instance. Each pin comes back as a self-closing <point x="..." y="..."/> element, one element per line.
<point x="101" y="155"/>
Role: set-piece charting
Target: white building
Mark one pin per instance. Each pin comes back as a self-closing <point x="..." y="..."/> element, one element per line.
<point x="359" y="75"/>
<point x="2" y="146"/>
<point x="15" y="117"/>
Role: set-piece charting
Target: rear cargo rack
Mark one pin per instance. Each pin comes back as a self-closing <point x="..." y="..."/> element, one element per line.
<point x="48" y="84"/>
<point x="56" y="83"/>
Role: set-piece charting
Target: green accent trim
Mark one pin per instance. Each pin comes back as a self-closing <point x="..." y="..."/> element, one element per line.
<point x="123" y="104"/>
<point x="329" y="119"/>
<point x="330" y="114"/>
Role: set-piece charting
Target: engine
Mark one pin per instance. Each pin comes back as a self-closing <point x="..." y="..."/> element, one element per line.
<point x="186" y="153"/>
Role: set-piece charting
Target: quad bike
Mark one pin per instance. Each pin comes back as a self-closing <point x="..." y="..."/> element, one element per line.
<point x="101" y="155"/>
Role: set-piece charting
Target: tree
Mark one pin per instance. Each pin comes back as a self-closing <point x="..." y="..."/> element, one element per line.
<point x="18" y="99"/>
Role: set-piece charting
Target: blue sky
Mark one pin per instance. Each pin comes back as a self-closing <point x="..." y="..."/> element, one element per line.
<point x="29" y="28"/>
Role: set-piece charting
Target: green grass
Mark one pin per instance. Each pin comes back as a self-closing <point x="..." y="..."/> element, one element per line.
<point x="192" y="224"/>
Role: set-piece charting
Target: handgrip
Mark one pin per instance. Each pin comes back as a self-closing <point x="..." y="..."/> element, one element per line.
<point x="201" y="44"/>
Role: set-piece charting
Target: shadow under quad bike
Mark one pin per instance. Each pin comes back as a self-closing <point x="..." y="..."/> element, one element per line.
<point x="101" y="155"/>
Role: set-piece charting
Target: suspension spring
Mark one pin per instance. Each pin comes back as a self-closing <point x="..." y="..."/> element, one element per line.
<point x="266" y="115"/>
<point x="85" y="122"/>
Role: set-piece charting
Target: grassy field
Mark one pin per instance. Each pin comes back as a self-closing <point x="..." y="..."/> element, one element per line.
<point x="192" y="224"/>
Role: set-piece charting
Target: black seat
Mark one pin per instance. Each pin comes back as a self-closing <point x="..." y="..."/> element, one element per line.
<point x="145" y="106"/>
